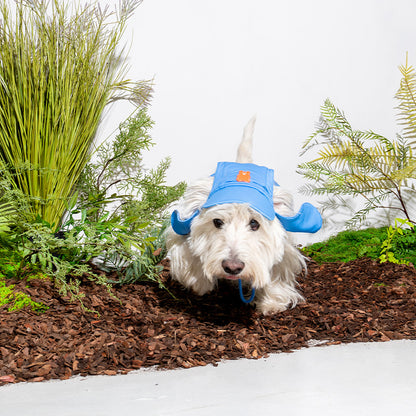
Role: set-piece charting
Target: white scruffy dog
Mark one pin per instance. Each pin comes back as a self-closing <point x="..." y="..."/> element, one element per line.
<point x="234" y="241"/>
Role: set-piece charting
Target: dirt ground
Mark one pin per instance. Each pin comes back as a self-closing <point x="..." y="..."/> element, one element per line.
<point x="145" y="326"/>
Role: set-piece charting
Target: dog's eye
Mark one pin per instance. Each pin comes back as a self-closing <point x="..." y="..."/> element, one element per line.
<point x="254" y="225"/>
<point x="218" y="223"/>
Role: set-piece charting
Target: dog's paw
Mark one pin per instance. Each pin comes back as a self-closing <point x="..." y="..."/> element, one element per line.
<point x="201" y="286"/>
<point x="277" y="297"/>
<point x="270" y="307"/>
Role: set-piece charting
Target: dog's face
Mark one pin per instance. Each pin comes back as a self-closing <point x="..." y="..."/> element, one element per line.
<point x="234" y="241"/>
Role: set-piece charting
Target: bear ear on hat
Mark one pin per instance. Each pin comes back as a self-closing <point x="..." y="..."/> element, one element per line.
<point x="182" y="227"/>
<point x="307" y="220"/>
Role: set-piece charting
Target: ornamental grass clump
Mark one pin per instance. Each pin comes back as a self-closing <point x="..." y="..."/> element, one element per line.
<point x="60" y="66"/>
<point x="59" y="69"/>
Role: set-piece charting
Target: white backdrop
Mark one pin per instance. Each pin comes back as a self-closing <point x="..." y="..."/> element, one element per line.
<point x="216" y="63"/>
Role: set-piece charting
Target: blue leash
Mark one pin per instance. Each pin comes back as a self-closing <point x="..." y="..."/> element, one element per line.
<point x="240" y="289"/>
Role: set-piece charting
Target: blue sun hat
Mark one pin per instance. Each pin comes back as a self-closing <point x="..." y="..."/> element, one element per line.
<point x="247" y="183"/>
<point x="243" y="183"/>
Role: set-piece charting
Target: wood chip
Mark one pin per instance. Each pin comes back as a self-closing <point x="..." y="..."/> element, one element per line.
<point x="353" y="302"/>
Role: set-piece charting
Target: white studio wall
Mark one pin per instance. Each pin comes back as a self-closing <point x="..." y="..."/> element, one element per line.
<point x="215" y="64"/>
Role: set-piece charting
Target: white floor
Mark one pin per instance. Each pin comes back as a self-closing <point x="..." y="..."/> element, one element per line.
<point x="357" y="379"/>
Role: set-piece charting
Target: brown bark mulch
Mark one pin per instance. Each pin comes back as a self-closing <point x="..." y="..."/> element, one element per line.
<point x="345" y="302"/>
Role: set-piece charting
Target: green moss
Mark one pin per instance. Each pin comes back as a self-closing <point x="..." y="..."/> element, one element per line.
<point x="9" y="264"/>
<point x="348" y="245"/>
<point x="16" y="299"/>
<point x="38" y="275"/>
<point x="10" y="268"/>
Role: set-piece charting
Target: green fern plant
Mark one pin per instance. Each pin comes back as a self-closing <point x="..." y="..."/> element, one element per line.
<point x="353" y="164"/>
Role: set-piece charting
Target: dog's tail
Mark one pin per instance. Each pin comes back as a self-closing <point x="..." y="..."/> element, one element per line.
<point x="245" y="150"/>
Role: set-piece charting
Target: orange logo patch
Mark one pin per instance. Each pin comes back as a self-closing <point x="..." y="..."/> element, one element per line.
<point x="243" y="176"/>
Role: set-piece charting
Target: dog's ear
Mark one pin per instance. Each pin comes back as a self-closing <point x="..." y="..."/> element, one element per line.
<point x="282" y="201"/>
<point x="195" y="196"/>
<point x="245" y="150"/>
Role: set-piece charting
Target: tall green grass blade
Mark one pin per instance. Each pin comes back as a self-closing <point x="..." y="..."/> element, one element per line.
<point x="59" y="69"/>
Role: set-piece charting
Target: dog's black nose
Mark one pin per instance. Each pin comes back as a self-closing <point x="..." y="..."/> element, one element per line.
<point x="233" y="267"/>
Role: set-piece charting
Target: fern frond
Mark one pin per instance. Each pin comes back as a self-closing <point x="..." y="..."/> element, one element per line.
<point x="362" y="183"/>
<point x="331" y="126"/>
<point x="335" y="118"/>
<point x="348" y="157"/>
<point x="406" y="172"/>
<point x="337" y="155"/>
<point x="407" y="102"/>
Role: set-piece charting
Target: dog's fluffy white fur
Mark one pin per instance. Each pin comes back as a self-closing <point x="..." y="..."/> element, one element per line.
<point x="267" y="256"/>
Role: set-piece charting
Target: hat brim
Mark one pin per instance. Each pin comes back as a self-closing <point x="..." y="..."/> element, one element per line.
<point x="242" y="195"/>
<point x="307" y="220"/>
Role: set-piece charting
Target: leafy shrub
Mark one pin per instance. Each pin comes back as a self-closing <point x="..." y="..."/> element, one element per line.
<point x="118" y="196"/>
<point x="59" y="213"/>
<point x="118" y="184"/>
<point x="357" y="164"/>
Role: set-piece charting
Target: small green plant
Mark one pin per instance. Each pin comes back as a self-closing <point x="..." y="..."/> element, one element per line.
<point x="9" y="263"/>
<point x="381" y="284"/>
<point x="147" y="265"/>
<point x="399" y="241"/>
<point x="63" y="260"/>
